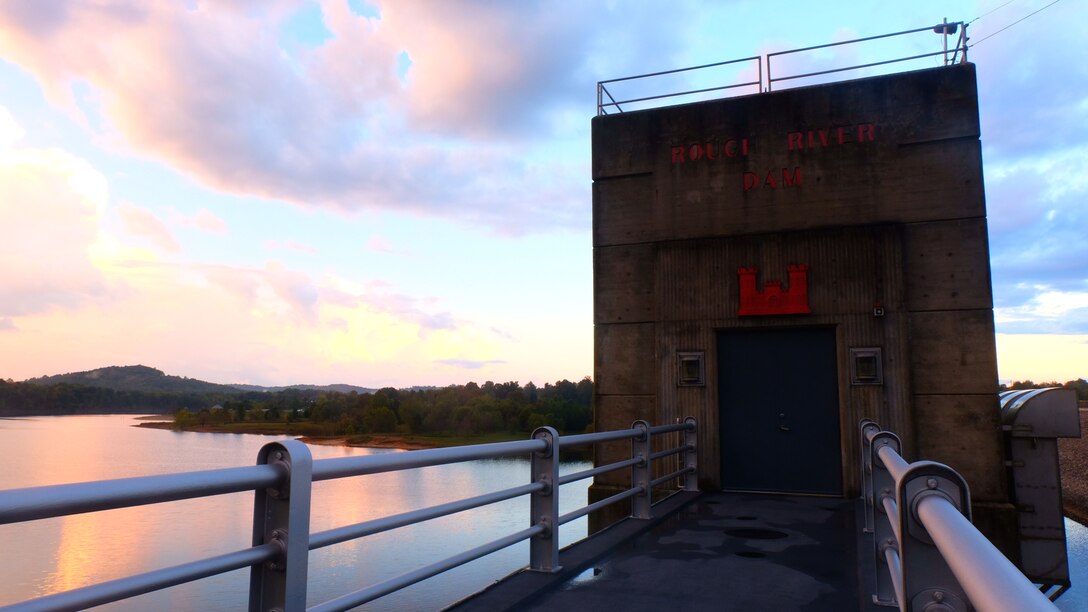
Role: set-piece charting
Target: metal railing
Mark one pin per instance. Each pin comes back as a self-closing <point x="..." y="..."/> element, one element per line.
<point x="602" y="90"/>
<point x="607" y="103"/>
<point x="928" y="554"/>
<point x="282" y="481"/>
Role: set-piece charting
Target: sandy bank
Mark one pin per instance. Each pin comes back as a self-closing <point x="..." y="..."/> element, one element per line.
<point x="1074" y="457"/>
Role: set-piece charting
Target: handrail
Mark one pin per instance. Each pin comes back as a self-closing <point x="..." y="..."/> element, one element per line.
<point x="34" y="503"/>
<point x="282" y="481"/>
<point x="602" y="90"/>
<point x="766" y="84"/>
<point x="945" y="29"/>
<point x="925" y="547"/>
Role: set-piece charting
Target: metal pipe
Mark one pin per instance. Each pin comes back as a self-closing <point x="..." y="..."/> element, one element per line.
<point x="584" y="510"/>
<point x="17" y="505"/>
<point x="604" y="469"/>
<point x="847" y="42"/>
<point x="895" y="570"/>
<point x="671" y="427"/>
<point x="387" y="523"/>
<point x="328" y="469"/>
<point x="991" y="581"/>
<point x="609" y="94"/>
<point x="678" y="473"/>
<point x="891" y="509"/>
<point x="360" y="597"/>
<point x="596" y="438"/>
<point x="683" y="93"/>
<point x="653" y="74"/>
<point x="672" y="451"/>
<point x="131" y="586"/>
<point x="893" y="462"/>
<point x="858" y="67"/>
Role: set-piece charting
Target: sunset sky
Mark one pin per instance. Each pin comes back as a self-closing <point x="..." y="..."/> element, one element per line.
<point x="395" y="193"/>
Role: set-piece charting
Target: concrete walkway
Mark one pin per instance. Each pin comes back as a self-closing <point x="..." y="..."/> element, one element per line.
<point x="716" y="551"/>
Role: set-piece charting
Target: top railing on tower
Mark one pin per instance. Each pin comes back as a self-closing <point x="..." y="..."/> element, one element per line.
<point x="753" y="74"/>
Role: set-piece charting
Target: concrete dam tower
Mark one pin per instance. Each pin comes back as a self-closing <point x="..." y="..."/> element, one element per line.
<point x="784" y="264"/>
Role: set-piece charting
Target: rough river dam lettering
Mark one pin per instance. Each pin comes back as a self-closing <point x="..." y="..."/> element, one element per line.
<point x="775" y="178"/>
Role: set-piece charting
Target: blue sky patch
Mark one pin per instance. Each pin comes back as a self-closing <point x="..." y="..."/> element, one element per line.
<point x="364" y="9"/>
<point x="307" y="27"/>
<point x="404" y="62"/>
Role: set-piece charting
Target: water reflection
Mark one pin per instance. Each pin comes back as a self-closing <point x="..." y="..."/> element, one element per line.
<point x="54" y="555"/>
<point x="61" y="554"/>
<point x="1076" y="538"/>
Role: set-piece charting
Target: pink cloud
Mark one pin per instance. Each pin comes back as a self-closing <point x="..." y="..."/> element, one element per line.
<point x="49" y="212"/>
<point x="212" y="91"/>
<point x="379" y="245"/>
<point x="207" y="221"/>
<point x="143" y="223"/>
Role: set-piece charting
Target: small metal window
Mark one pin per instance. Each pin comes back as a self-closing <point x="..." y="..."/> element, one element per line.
<point x="866" y="367"/>
<point x="692" y="372"/>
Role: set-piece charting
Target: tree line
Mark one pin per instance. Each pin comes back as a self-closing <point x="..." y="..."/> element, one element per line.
<point x="458" y="409"/>
<point x="29" y="399"/>
<point x="1079" y="385"/>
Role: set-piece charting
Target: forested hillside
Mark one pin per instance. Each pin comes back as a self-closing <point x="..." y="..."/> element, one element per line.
<point x="134" y="378"/>
<point x="459" y="409"/>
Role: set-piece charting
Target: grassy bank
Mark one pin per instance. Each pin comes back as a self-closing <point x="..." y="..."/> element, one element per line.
<point x="312" y="434"/>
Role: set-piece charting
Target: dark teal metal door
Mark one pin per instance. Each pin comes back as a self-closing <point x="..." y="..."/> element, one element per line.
<point x="779" y="411"/>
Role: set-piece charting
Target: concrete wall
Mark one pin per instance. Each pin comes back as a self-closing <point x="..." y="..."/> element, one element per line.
<point x="876" y="185"/>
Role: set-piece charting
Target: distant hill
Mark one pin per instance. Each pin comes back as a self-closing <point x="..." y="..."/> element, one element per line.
<point x="334" y="388"/>
<point x="147" y="379"/>
<point x="134" y="378"/>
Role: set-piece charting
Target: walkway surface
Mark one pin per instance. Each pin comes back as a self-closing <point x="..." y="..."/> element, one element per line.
<point x="715" y="551"/>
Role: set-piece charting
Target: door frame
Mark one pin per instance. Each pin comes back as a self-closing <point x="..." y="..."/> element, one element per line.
<point x="842" y="397"/>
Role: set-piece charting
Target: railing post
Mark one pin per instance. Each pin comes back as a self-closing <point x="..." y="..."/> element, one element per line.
<point x="544" y="504"/>
<point x="641" y="472"/>
<point x="691" y="457"/>
<point x="281" y="515"/>
<point x="868" y="429"/>
<point x="927" y="578"/>
<point x="883" y="485"/>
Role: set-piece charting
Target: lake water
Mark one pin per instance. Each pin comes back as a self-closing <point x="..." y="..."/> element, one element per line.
<point x="52" y="555"/>
<point x="47" y="556"/>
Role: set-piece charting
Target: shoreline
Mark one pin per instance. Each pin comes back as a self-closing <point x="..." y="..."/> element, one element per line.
<point x="393" y="441"/>
<point x="1072" y="451"/>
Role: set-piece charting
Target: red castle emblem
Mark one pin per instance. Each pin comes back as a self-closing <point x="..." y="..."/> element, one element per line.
<point x="772" y="300"/>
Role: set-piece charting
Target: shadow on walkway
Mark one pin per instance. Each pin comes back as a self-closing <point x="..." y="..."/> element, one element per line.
<point x="715" y="551"/>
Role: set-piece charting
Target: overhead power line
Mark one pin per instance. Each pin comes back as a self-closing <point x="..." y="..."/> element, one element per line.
<point x="1014" y="23"/>
<point x="990" y="11"/>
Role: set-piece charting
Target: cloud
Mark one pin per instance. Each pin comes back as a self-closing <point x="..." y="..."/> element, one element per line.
<point x="143" y="223"/>
<point x="51" y="203"/>
<point x="1034" y="103"/>
<point x="6" y="324"/>
<point x="470" y="364"/>
<point x="289" y="245"/>
<point x="204" y="220"/>
<point x="378" y="244"/>
<point x="376" y="298"/>
<point x="213" y="91"/>
<point x="1046" y="311"/>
